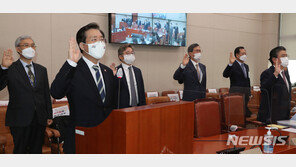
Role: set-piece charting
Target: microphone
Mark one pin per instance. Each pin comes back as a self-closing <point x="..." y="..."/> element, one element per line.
<point x="119" y="76"/>
<point x="233" y="128"/>
<point x="119" y="73"/>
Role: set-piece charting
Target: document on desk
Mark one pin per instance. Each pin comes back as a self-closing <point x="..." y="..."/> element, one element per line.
<point x="293" y="130"/>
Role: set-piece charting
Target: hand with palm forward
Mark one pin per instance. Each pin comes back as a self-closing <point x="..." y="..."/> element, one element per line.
<point x="277" y="69"/>
<point x="7" y="58"/>
<point x="231" y="58"/>
<point x="73" y="53"/>
<point x="185" y="60"/>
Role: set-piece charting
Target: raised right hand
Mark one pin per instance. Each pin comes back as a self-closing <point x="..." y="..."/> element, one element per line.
<point x="277" y="69"/>
<point x="185" y="60"/>
<point x="7" y="58"/>
<point x="231" y="58"/>
<point x="113" y="68"/>
<point x="73" y="53"/>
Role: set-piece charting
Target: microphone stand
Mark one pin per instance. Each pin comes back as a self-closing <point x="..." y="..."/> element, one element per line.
<point x="118" y="98"/>
<point x="119" y="75"/>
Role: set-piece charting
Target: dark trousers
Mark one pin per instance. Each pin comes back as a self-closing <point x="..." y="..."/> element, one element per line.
<point x="28" y="139"/>
<point x="247" y="93"/>
<point x="69" y="142"/>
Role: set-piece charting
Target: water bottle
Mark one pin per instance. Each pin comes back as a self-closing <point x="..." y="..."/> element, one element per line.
<point x="268" y="142"/>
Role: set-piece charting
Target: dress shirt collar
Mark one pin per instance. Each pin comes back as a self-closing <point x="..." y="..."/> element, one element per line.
<point x="25" y="64"/>
<point x="194" y="63"/>
<point x="240" y="64"/>
<point x="125" y="66"/>
<point x="89" y="63"/>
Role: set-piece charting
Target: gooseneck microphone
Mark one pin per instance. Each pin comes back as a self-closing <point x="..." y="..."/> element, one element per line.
<point x="119" y="76"/>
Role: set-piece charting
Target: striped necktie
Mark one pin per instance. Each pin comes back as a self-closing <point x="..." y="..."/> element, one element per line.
<point x="100" y="82"/>
<point x="31" y="75"/>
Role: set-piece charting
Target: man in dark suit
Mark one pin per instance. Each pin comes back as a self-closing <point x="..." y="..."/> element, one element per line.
<point x="88" y="84"/>
<point x="275" y="88"/>
<point x="132" y="91"/>
<point x="238" y="73"/>
<point x="193" y="74"/>
<point x="29" y="109"/>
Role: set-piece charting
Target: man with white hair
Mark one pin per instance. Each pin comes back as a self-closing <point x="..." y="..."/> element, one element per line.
<point x="29" y="109"/>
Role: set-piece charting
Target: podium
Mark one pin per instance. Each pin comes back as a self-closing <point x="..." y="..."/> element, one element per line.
<point x="151" y="129"/>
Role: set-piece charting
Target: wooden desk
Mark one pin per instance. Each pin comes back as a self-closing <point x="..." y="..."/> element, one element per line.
<point x="150" y="129"/>
<point x="204" y="145"/>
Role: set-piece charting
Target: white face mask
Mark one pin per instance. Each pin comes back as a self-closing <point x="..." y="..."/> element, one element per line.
<point x="96" y="50"/>
<point x="28" y="53"/>
<point x="285" y="61"/>
<point x="129" y="59"/>
<point x="197" y="56"/>
<point x="243" y="58"/>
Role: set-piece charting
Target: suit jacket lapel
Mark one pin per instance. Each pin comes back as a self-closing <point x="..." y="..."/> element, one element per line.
<point x="88" y="76"/>
<point x="247" y="71"/>
<point x="289" y="81"/>
<point x="137" y="76"/>
<point x="281" y="78"/>
<point x="37" y="74"/>
<point x="203" y="71"/>
<point x="191" y="66"/>
<point x="106" y="80"/>
<point x="283" y="81"/>
<point x="239" y="67"/>
<point x="23" y="73"/>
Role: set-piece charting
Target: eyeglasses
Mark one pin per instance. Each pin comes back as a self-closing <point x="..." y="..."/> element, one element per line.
<point x="127" y="53"/>
<point x="93" y="40"/>
<point x="27" y="45"/>
<point x="197" y="50"/>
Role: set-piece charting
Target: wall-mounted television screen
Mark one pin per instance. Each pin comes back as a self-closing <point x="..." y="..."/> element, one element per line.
<point x="167" y="29"/>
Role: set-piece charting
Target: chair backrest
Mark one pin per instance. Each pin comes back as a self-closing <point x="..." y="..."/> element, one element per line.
<point x="57" y="101"/>
<point x="223" y="90"/>
<point x="207" y="118"/>
<point x="156" y="100"/>
<point x="3" y="128"/>
<point x="213" y="95"/>
<point x="293" y="94"/>
<point x="151" y="94"/>
<point x="165" y="93"/>
<point x="255" y="99"/>
<point x="233" y="110"/>
<point x="5" y="131"/>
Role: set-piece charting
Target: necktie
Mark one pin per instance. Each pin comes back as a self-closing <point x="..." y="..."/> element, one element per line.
<point x="198" y="73"/>
<point x="285" y="80"/>
<point x="244" y="70"/>
<point x="133" y="90"/>
<point x="100" y="83"/>
<point x="31" y="75"/>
